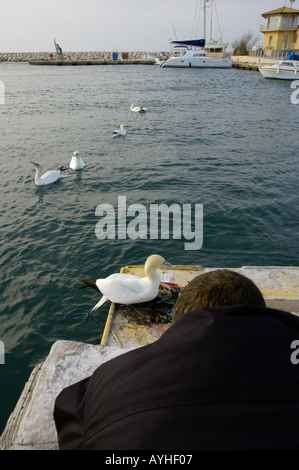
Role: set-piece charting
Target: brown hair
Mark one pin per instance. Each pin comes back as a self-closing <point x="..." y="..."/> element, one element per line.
<point x="220" y="288"/>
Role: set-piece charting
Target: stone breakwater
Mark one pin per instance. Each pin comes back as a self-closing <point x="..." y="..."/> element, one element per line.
<point x="32" y="56"/>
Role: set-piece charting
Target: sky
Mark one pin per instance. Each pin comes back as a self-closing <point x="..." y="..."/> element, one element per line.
<point x="123" y="25"/>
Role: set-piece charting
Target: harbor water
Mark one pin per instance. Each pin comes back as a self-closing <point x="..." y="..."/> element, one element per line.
<point x="226" y="139"/>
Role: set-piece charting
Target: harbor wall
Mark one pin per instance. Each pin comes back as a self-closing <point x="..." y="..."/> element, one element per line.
<point x="33" y="56"/>
<point x="245" y="59"/>
<point x="83" y="56"/>
<point x="246" y="62"/>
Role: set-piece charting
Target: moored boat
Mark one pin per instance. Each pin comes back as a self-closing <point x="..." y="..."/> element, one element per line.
<point x="282" y="70"/>
<point x="197" y="58"/>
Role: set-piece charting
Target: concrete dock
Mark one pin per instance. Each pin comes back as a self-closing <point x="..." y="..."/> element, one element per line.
<point x="31" y="425"/>
<point x="245" y="66"/>
<point x="250" y="63"/>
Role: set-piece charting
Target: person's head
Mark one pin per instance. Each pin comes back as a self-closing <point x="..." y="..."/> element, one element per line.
<point x="220" y="288"/>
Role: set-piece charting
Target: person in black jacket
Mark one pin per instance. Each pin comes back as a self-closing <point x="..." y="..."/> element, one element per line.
<point x="221" y="377"/>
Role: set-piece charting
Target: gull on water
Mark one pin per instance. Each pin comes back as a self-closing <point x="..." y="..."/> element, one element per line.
<point x="76" y="162"/>
<point x="129" y="289"/>
<point x="138" y="109"/>
<point x="47" y="178"/>
<point x="121" y="131"/>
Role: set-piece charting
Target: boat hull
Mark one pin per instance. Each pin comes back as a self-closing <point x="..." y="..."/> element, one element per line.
<point x="198" y="62"/>
<point x="279" y="73"/>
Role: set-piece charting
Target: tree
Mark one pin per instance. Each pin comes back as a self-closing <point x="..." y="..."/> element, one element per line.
<point x="244" y="44"/>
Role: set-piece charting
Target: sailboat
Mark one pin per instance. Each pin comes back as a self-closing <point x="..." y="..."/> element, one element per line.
<point x="195" y="55"/>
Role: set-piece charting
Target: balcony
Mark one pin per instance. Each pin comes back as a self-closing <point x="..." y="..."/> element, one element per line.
<point x="264" y="29"/>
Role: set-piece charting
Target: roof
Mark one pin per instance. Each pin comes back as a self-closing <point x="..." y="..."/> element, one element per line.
<point x="280" y="11"/>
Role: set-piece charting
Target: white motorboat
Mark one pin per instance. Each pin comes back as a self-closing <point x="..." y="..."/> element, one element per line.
<point x="197" y="59"/>
<point x="282" y="70"/>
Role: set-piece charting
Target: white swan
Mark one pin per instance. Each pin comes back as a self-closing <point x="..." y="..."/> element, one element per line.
<point x="121" y="131"/>
<point x="138" y="109"/>
<point x="129" y="289"/>
<point x="76" y="162"/>
<point x="49" y="177"/>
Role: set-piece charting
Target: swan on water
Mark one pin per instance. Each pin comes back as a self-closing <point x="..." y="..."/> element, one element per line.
<point x="121" y="131"/>
<point x="49" y="177"/>
<point x="129" y="289"/>
<point x="138" y="109"/>
<point x="76" y="162"/>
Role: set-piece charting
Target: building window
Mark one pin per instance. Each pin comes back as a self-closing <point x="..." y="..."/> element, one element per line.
<point x="288" y="22"/>
<point x="270" y="41"/>
<point x="273" y="22"/>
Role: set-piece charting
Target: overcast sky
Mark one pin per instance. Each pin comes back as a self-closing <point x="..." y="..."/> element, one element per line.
<point x="125" y="25"/>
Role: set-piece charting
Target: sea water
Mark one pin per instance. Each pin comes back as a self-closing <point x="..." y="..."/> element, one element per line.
<point x="226" y="140"/>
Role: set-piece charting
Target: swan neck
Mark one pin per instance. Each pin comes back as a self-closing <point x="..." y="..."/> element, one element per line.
<point x="151" y="273"/>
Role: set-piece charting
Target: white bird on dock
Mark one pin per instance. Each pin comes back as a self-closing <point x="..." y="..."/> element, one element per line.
<point x="49" y="177"/>
<point x="121" y="131"/>
<point x="129" y="289"/>
<point x="76" y="162"/>
<point x="138" y="109"/>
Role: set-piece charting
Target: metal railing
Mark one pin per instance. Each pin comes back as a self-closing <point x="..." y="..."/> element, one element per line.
<point x="273" y="54"/>
<point x="292" y="27"/>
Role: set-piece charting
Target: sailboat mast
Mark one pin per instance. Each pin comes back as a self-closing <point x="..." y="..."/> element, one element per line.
<point x="205" y="18"/>
<point x="211" y="25"/>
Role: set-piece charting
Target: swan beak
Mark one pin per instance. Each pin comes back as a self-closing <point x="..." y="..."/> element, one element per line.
<point x="166" y="263"/>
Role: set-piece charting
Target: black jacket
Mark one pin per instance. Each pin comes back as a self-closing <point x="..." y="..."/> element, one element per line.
<point x="219" y="378"/>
